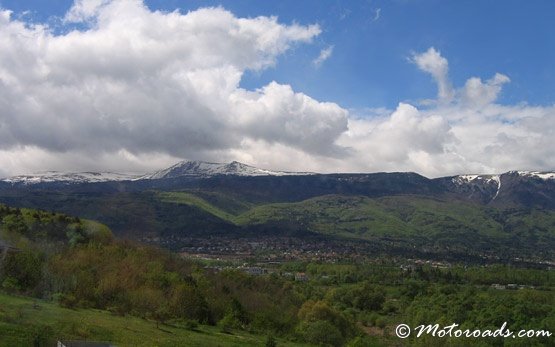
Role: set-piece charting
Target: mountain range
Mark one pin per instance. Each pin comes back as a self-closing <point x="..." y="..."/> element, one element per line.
<point x="523" y="188"/>
<point x="506" y="214"/>
<point x="199" y="169"/>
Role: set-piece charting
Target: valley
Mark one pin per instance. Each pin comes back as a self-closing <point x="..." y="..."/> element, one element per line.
<point x="231" y="255"/>
<point x="501" y="218"/>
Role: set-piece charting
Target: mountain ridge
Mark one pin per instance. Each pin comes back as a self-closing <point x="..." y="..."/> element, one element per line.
<point x="70" y="177"/>
<point x="207" y="169"/>
<point x="203" y="169"/>
<point x="511" y="189"/>
<point x="509" y="212"/>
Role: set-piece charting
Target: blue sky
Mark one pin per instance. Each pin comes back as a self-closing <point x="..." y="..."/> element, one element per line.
<point x="369" y="65"/>
<point x="432" y="86"/>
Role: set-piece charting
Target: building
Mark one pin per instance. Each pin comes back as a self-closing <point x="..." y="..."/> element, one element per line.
<point x="66" y="343"/>
<point x="301" y="277"/>
<point x="254" y="270"/>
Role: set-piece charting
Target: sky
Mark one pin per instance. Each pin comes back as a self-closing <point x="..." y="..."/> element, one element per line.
<point x="435" y="87"/>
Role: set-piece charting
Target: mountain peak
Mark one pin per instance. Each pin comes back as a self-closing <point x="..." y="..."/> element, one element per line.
<point x="207" y="169"/>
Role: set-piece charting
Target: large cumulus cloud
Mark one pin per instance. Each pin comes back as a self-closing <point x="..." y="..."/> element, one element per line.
<point x="464" y="130"/>
<point x="147" y="81"/>
<point x="132" y="89"/>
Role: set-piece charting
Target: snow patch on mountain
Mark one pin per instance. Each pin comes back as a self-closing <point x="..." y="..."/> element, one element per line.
<point x="465" y="179"/>
<point x="462" y="179"/>
<point x="181" y="169"/>
<point x="489" y="183"/>
<point x="542" y="175"/>
<point x="206" y="169"/>
<point x="201" y="169"/>
<point x="497" y="179"/>
<point x="73" y="177"/>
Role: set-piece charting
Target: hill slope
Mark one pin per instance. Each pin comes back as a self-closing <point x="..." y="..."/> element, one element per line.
<point x="25" y="320"/>
<point x="420" y="221"/>
<point x="499" y="214"/>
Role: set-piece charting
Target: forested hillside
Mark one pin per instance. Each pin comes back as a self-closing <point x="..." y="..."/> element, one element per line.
<point x="76" y="264"/>
<point x="434" y="225"/>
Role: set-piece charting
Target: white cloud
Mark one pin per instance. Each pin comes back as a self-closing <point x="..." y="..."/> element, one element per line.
<point x="309" y="124"/>
<point x="377" y="14"/>
<point x="466" y="131"/>
<point x="28" y="159"/>
<point x="84" y="10"/>
<point x="399" y="140"/>
<point x="477" y="94"/>
<point x="152" y="82"/>
<point x="138" y="89"/>
<point x="432" y="62"/>
<point x="325" y="54"/>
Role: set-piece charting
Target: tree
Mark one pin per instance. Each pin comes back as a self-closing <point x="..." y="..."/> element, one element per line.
<point x="322" y="324"/>
<point x="15" y="223"/>
<point x="369" y="297"/>
<point x="187" y="302"/>
<point x="24" y="268"/>
<point x="322" y="333"/>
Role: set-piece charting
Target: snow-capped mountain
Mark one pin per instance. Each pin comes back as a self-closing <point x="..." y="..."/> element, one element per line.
<point x="495" y="180"/>
<point x="72" y="177"/>
<point x="491" y="188"/>
<point x="205" y="169"/>
<point x="198" y="169"/>
<point x="485" y="189"/>
<point x="487" y="186"/>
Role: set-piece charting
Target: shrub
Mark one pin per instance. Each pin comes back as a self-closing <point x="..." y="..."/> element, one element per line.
<point x="270" y="341"/>
<point x="191" y="324"/>
<point x="228" y="323"/>
<point x="321" y="333"/>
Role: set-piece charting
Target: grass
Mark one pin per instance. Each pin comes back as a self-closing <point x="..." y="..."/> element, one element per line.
<point x="193" y="200"/>
<point x="24" y="319"/>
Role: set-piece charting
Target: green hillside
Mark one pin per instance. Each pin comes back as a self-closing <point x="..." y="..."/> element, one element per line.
<point x="24" y="321"/>
<point x="424" y="221"/>
<point x="63" y="281"/>
<point x="22" y="227"/>
<point x="430" y="224"/>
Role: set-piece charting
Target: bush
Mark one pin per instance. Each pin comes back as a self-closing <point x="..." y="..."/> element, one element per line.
<point x="68" y="300"/>
<point x="321" y="333"/>
<point x="117" y="310"/>
<point x="365" y="341"/>
<point x="270" y="341"/>
<point x="228" y="323"/>
<point x="25" y="267"/>
<point x="381" y="322"/>
<point x="191" y="324"/>
<point x="314" y="311"/>
<point x="10" y="285"/>
<point x="371" y="319"/>
<point x="43" y="335"/>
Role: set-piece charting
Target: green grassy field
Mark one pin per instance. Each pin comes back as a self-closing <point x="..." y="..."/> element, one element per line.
<point x="22" y="320"/>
